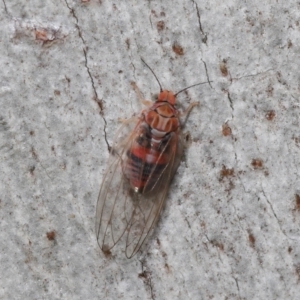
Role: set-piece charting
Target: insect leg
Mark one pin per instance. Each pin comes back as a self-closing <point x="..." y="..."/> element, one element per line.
<point x="188" y="110"/>
<point x="147" y="103"/>
<point x="128" y="121"/>
<point x="186" y="113"/>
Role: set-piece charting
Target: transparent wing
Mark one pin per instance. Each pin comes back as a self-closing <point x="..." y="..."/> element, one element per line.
<point x="123" y="212"/>
<point x="113" y="200"/>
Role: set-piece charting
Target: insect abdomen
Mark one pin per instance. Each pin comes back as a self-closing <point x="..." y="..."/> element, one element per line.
<point x="143" y="174"/>
<point x="146" y="161"/>
<point x="149" y="154"/>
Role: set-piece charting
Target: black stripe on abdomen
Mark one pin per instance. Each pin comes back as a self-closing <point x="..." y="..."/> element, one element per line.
<point x="133" y="172"/>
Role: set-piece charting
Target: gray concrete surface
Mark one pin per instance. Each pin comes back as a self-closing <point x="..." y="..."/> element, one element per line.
<point x="230" y="229"/>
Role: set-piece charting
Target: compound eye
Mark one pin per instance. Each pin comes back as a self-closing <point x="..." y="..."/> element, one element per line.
<point x="167" y="96"/>
<point x="162" y="96"/>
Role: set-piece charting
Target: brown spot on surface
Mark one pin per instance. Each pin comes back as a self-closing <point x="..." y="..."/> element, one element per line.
<point x="257" y="163"/>
<point x="56" y="92"/>
<point x="144" y="275"/>
<point x="226" y="172"/>
<point x="51" y="235"/>
<point x="31" y="170"/>
<point x="217" y="244"/>
<point x="177" y="49"/>
<point x="106" y="251"/>
<point x="167" y="267"/>
<point x="297" y="202"/>
<point x="223" y="68"/>
<point x="154" y="13"/>
<point x="127" y="41"/>
<point x="290" y="249"/>
<point x="188" y="137"/>
<point x="270" y="115"/>
<point x="100" y="104"/>
<point x="226" y="130"/>
<point x="160" y="25"/>
<point x="48" y="35"/>
<point x="251" y="240"/>
<point x="41" y="34"/>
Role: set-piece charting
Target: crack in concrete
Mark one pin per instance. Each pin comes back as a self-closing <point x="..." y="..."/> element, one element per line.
<point x="238" y="218"/>
<point x="36" y="158"/>
<point x="231" y="103"/>
<point x="72" y="11"/>
<point x="275" y="215"/>
<point x="5" y="7"/>
<point x="252" y="75"/>
<point x="146" y="276"/>
<point x="150" y="22"/>
<point x="216" y="245"/>
<point x="239" y="177"/>
<point x="98" y="101"/>
<point x="237" y="285"/>
<point x="206" y="72"/>
<point x="204" y="38"/>
<point x="234" y="143"/>
<point x="134" y="81"/>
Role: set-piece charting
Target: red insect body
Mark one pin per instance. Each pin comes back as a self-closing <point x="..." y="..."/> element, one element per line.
<point x="150" y="152"/>
<point x="142" y="163"/>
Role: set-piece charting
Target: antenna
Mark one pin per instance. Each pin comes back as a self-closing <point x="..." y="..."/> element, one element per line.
<point x="192" y="86"/>
<point x="153" y="74"/>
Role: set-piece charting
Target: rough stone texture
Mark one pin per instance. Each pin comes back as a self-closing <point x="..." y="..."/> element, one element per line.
<point x="230" y="229"/>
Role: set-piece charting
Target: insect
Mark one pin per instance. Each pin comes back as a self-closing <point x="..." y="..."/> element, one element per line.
<point x="143" y="160"/>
